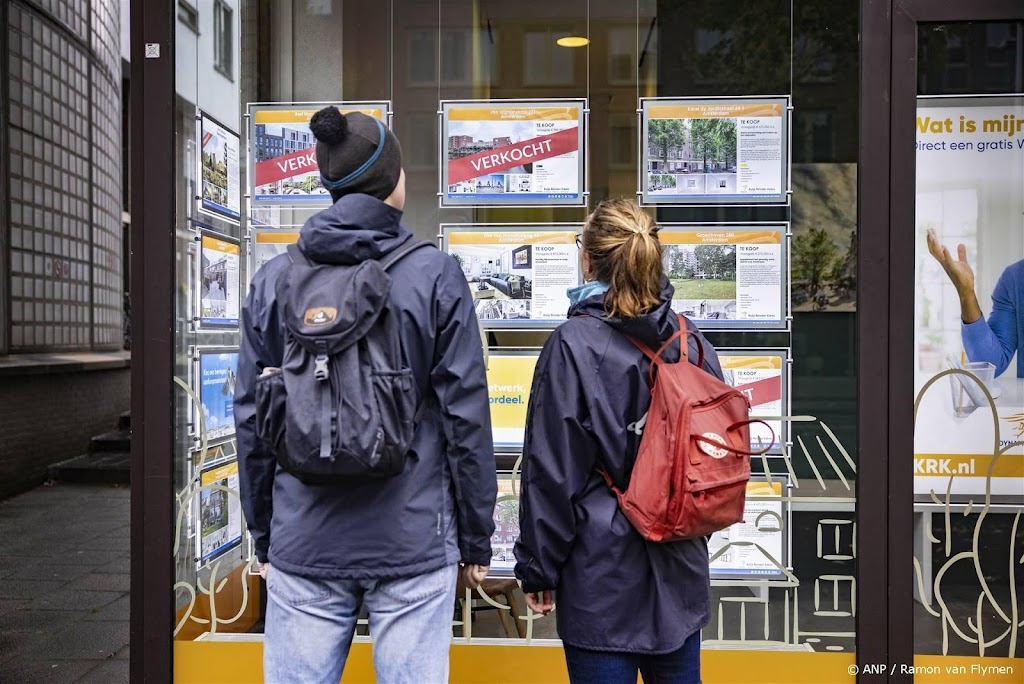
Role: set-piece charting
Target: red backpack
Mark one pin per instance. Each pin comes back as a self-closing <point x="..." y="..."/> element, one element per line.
<point x="690" y="475"/>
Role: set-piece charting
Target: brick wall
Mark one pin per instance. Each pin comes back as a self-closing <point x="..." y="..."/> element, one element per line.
<point x="51" y="417"/>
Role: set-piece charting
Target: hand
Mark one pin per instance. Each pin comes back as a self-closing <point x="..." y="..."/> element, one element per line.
<point x="542" y="602"/>
<point x="473" y="575"/>
<point x="264" y="568"/>
<point x="958" y="270"/>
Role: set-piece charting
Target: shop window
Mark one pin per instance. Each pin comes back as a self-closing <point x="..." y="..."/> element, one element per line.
<point x="188" y="15"/>
<point x="223" y="39"/>
<point x="998" y="43"/>
<point x="456" y="56"/>
<point x="622" y="143"/>
<point x="621" y="51"/>
<point x="545" y="62"/>
<point x="421" y="143"/>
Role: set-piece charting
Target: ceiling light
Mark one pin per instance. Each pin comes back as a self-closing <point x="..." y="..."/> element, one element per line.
<point x="573" y="41"/>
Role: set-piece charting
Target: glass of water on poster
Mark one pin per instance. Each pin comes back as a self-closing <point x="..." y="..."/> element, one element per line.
<point x="708" y="151"/>
<point x="512" y="153"/>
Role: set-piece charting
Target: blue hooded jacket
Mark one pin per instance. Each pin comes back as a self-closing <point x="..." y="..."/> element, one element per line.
<point x="440" y="509"/>
<point x="615" y="591"/>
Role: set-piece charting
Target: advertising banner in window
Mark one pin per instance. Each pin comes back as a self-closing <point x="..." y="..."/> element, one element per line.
<point x="509" y="378"/>
<point x="969" y="309"/>
<point x="729" y="276"/>
<point x="219" y="261"/>
<point x="763" y="376"/>
<point x="715" y="151"/>
<point x="267" y="244"/>
<point x="518" y="274"/>
<point x="218" y="161"/>
<point x="282" y="151"/>
<point x="513" y="152"/>
<point x="215" y="371"/>
<point x="219" y="512"/>
<point x="757" y="548"/>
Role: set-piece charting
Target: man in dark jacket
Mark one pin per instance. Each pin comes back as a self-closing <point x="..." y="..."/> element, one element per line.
<point x="392" y="545"/>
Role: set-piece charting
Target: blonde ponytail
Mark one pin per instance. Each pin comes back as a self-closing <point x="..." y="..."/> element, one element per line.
<point x="621" y="241"/>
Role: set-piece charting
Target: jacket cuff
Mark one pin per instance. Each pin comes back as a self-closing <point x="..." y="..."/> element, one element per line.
<point x="476" y="557"/>
<point x="262" y="551"/>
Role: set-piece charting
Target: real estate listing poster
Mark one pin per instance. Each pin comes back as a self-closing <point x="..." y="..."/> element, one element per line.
<point x="969" y="430"/>
<point x="282" y="152"/>
<point x="506" y="528"/>
<point x="220" y="258"/>
<point x="513" y="153"/>
<point x="519" y="275"/>
<point x="763" y="376"/>
<point x="267" y="244"/>
<point x="220" y="512"/>
<point x="216" y="378"/>
<point x="764" y="525"/>
<point x="509" y="378"/>
<point x="715" y="151"/>
<point x="729" y="276"/>
<point x="218" y="158"/>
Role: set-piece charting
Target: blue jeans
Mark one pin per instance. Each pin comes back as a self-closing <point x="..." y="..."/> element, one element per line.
<point x="310" y="624"/>
<point x="602" y="667"/>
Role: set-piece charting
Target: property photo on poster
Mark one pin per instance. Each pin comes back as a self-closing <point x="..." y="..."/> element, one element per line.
<point x="969" y="431"/>
<point x="519" y="275"/>
<point x="217" y="369"/>
<point x="509" y="377"/>
<point x="506" y="528"/>
<point x="220" y="511"/>
<point x="513" y="152"/>
<point x="728" y="276"/>
<point x="220" y="258"/>
<point x="762" y="375"/>
<point x="824" y="237"/>
<point x="715" y="151"/>
<point x="219" y="148"/>
<point x="283" y="152"/>
<point x="764" y="525"/>
<point x="267" y="244"/>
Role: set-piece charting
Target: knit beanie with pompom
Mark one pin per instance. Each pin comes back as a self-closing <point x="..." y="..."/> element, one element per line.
<point x="356" y="154"/>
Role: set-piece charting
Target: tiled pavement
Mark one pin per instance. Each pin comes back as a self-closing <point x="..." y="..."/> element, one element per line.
<point x="64" y="579"/>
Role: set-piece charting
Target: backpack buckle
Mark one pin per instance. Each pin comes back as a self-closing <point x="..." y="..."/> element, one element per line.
<point x="320" y="370"/>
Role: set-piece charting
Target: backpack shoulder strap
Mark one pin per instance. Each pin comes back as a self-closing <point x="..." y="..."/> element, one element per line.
<point x="399" y="253"/>
<point x="297" y="255"/>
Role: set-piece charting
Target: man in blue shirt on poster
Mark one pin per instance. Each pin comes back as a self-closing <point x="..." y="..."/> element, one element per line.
<point x="1000" y="337"/>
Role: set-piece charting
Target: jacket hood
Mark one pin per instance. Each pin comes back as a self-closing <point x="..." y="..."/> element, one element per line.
<point x="354" y="229"/>
<point x="652" y="328"/>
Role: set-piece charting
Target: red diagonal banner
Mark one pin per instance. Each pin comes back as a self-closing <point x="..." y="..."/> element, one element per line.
<point x="762" y="391"/>
<point x="287" y="166"/>
<point x="510" y="156"/>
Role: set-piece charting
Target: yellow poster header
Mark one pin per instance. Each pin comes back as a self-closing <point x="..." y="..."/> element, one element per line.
<point x="266" y="237"/>
<point x="302" y="116"/>
<point x="720" y="237"/>
<point x="564" y="237"/>
<point x="220" y="245"/>
<point x="514" y="114"/>
<point x="965" y="465"/>
<point x="750" y="362"/>
<point x="713" y="111"/>
<point x="217" y="474"/>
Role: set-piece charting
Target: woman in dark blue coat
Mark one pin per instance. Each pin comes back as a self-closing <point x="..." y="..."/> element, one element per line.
<point x="624" y="604"/>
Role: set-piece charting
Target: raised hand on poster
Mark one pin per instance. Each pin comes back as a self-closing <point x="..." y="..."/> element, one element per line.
<point x="960" y="273"/>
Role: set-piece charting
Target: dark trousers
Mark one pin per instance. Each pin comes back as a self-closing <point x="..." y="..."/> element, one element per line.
<point x="602" y="667"/>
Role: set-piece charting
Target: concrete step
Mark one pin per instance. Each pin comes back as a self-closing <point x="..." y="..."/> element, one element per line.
<point x="124" y="422"/>
<point x="94" y="468"/>
<point x="111" y="442"/>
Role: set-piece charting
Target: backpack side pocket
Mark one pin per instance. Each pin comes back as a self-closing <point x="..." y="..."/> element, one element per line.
<point x="271" y="396"/>
<point x="396" y="396"/>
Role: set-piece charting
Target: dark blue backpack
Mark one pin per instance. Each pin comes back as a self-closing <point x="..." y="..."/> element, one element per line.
<point x="344" y="402"/>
